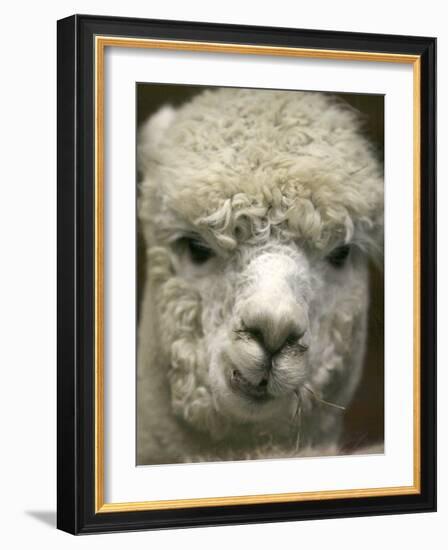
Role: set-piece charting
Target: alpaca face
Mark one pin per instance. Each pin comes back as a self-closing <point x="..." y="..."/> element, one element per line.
<point x="258" y="218"/>
<point x="276" y="323"/>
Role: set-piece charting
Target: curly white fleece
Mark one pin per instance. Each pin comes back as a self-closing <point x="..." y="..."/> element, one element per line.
<point x="261" y="176"/>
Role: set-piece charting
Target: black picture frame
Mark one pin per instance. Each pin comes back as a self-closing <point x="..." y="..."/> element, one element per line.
<point x="76" y="475"/>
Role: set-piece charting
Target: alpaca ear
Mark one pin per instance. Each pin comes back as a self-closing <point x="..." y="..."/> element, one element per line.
<point x="151" y="133"/>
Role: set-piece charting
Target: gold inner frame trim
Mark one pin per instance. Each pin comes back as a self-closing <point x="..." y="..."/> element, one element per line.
<point x="101" y="42"/>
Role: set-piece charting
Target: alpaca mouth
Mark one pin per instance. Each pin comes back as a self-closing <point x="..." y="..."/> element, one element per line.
<point x="255" y="392"/>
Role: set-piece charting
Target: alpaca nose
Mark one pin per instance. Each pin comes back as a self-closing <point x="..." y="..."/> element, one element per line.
<point x="276" y="325"/>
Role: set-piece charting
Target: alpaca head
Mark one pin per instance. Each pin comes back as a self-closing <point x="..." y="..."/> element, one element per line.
<point x="259" y="210"/>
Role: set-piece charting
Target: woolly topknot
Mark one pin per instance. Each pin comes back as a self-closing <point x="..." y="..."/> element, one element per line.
<point x="275" y="156"/>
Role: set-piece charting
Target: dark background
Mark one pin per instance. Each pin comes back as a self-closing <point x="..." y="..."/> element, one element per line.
<point x="364" y="420"/>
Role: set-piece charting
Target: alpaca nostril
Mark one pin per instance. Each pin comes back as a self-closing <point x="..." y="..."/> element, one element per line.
<point x="291" y="340"/>
<point x="263" y="383"/>
<point x="256" y="334"/>
<point x="294" y="339"/>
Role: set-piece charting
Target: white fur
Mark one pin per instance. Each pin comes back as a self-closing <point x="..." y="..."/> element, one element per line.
<point x="272" y="182"/>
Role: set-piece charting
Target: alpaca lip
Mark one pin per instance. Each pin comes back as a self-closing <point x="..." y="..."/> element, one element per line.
<point x="256" y="393"/>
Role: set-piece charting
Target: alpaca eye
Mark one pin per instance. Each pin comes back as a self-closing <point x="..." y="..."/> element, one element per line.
<point x="199" y="252"/>
<point x="339" y="255"/>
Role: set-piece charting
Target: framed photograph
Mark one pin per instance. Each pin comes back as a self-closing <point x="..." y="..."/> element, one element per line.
<point x="246" y="274"/>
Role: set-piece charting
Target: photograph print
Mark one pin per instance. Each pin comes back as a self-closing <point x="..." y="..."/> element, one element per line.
<point x="260" y="274"/>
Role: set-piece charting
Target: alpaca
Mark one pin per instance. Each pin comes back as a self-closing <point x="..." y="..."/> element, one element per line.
<point x="260" y="211"/>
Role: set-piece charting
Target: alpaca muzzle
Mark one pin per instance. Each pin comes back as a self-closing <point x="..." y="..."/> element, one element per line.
<point x="270" y="330"/>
